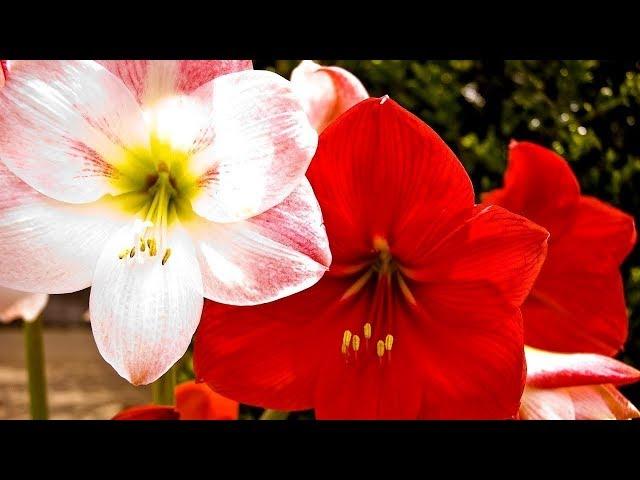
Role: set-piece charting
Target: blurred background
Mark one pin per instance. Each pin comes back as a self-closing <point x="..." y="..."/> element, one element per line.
<point x="587" y="111"/>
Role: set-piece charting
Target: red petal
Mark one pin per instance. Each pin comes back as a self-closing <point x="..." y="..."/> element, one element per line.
<point x="494" y="246"/>
<point x="539" y="185"/>
<point x="467" y="350"/>
<point x="576" y="312"/>
<point x="267" y="355"/>
<point x="4" y="72"/>
<point x="148" y="412"/>
<point x="555" y="370"/>
<point x="196" y="401"/>
<point x="597" y="239"/>
<point x="379" y="170"/>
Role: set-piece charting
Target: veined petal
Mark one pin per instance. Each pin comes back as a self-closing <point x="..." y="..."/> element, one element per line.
<point x="16" y="305"/>
<point x="326" y="92"/>
<point x="63" y="124"/>
<point x="46" y="245"/>
<point x="3" y="72"/>
<point x="380" y="171"/>
<point x="288" y="340"/>
<point x="467" y="346"/>
<point x="144" y="313"/>
<point x="495" y="246"/>
<point x="267" y="257"/>
<point x="255" y="147"/>
<point x="151" y="80"/>
<point x="554" y="370"/>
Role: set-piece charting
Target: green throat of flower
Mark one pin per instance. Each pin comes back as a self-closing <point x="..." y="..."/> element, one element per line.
<point x="158" y="187"/>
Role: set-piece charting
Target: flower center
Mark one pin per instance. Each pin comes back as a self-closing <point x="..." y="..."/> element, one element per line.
<point x="382" y="280"/>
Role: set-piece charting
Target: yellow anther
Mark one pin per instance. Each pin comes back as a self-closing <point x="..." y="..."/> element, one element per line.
<point x="153" y="249"/>
<point x="346" y="338"/>
<point x="367" y="330"/>
<point x="167" y="254"/>
<point x="380" y="348"/>
<point x="132" y="252"/>
<point x="123" y="253"/>
<point x="355" y="343"/>
<point x="142" y="245"/>
<point x="388" y="342"/>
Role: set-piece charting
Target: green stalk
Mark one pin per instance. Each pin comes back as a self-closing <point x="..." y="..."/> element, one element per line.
<point x="274" y="415"/>
<point x="34" y="357"/>
<point x="163" y="389"/>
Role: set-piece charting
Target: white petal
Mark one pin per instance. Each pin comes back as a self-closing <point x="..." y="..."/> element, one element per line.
<point x="273" y="255"/>
<point x="254" y="148"/>
<point x="63" y="124"/>
<point x="16" y="305"/>
<point x="46" y="245"/>
<point x="143" y="313"/>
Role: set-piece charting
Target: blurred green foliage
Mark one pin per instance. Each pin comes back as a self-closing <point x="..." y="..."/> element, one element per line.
<point x="587" y="111"/>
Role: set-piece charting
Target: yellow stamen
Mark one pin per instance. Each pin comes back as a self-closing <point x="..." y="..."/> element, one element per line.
<point x="142" y="245"/>
<point x="367" y="330"/>
<point x="123" y="253"/>
<point x="167" y="254"/>
<point x="355" y="343"/>
<point x="388" y="342"/>
<point x="380" y="348"/>
<point x="346" y="337"/>
<point x="132" y="253"/>
<point x="153" y="249"/>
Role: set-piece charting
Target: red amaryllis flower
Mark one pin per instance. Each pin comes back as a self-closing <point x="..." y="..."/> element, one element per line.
<point x="194" y="401"/>
<point x="418" y="316"/>
<point x="577" y="304"/>
<point x="579" y="386"/>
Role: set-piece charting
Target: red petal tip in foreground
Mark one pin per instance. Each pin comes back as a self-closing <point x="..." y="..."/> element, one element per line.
<point x="148" y="412"/>
<point x="577" y="303"/>
<point x="418" y="315"/>
<point x="194" y="401"/>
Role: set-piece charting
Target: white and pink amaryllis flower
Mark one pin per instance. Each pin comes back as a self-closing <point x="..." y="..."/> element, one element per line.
<point x="15" y="305"/>
<point x="576" y="386"/>
<point x="157" y="183"/>
<point x="326" y="92"/>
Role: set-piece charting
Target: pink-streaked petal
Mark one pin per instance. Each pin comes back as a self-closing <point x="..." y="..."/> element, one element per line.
<point x="63" y="123"/>
<point x="16" y="305"/>
<point x="555" y="370"/>
<point x="143" y="313"/>
<point x="4" y="71"/>
<point x="46" y="245"/>
<point x="254" y="147"/>
<point x="326" y="92"/>
<point x="546" y="404"/>
<point x="276" y="254"/>
<point x="151" y="80"/>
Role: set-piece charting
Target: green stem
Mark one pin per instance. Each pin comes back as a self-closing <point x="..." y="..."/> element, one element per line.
<point x="163" y="388"/>
<point x="274" y="415"/>
<point x="34" y="355"/>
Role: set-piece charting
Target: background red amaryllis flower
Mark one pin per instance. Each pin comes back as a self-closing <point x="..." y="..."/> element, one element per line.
<point x="194" y="401"/>
<point x="577" y="304"/>
<point x="418" y="316"/>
